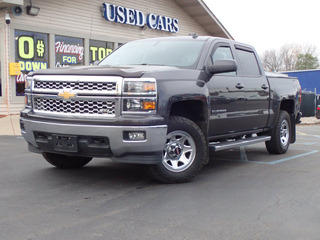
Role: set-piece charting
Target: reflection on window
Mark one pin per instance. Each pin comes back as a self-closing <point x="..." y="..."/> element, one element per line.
<point x="179" y="53"/>
<point x="249" y="65"/>
<point x="223" y="53"/>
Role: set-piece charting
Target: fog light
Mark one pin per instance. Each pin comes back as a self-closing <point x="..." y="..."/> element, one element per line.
<point x="134" y="136"/>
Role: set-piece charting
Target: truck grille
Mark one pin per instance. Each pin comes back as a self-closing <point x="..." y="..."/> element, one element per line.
<point x="58" y="85"/>
<point x="81" y="107"/>
<point x="81" y="96"/>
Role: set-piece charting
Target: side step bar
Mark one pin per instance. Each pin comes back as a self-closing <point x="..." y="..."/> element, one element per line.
<point x="238" y="143"/>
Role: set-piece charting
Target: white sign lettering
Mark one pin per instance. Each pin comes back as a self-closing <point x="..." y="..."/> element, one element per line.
<point x="134" y="17"/>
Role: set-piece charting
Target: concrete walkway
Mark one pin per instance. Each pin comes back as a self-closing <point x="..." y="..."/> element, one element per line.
<point x="9" y="125"/>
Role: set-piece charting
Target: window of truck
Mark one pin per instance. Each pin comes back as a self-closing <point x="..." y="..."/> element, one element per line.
<point x="178" y="53"/>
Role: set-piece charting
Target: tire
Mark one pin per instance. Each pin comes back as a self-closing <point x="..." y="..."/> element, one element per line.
<point x="280" y="139"/>
<point x="66" y="162"/>
<point x="184" y="153"/>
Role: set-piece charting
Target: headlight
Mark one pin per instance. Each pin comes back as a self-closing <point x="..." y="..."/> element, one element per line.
<point x="139" y="86"/>
<point x="28" y="86"/>
<point x="28" y="100"/>
<point x="139" y="95"/>
<point x="28" y="83"/>
<point x="134" y="105"/>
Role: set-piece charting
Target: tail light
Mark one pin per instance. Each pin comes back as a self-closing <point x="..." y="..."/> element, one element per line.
<point x="299" y="92"/>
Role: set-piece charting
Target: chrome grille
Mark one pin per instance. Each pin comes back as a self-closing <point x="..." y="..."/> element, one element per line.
<point x="58" y="85"/>
<point x="78" y="107"/>
<point x="83" y="85"/>
<point x="82" y="96"/>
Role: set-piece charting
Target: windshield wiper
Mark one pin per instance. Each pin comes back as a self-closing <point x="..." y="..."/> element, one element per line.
<point x="152" y="64"/>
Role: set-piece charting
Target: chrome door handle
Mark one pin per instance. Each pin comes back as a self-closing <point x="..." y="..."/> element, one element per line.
<point x="239" y="86"/>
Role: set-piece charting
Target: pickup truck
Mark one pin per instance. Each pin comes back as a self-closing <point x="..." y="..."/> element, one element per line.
<point x="163" y="102"/>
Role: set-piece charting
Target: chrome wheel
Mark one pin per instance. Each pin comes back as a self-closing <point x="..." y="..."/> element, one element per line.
<point x="179" y="151"/>
<point x="184" y="152"/>
<point x="284" y="132"/>
<point x="281" y="136"/>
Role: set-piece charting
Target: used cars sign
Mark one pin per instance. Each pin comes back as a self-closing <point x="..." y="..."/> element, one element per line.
<point x="130" y="16"/>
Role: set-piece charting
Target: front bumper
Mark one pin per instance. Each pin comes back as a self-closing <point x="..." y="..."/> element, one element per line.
<point x="148" y="151"/>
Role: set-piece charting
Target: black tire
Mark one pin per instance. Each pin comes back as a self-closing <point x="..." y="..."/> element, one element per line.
<point x="66" y="162"/>
<point x="280" y="139"/>
<point x="184" y="153"/>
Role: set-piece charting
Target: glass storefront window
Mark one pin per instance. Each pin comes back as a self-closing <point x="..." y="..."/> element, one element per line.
<point x="31" y="51"/>
<point x="98" y="50"/>
<point x="69" y="51"/>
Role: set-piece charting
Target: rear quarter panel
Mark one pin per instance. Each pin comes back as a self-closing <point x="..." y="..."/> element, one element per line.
<point x="282" y="88"/>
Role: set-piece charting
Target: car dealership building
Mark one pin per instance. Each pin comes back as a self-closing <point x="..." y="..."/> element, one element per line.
<point x="43" y="34"/>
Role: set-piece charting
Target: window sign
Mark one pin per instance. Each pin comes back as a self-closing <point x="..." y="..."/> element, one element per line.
<point x="98" y="50"/>
<point x="31" y="51"/>
<point x="69" y="51"/>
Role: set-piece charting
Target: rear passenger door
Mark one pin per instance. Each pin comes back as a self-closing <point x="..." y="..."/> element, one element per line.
<point x="226" y="96"/>
<point x="256" y="88"/>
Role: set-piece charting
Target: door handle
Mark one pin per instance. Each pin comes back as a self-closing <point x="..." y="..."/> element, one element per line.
<point x="239" y="86"/>
<point x="264" y="86"/>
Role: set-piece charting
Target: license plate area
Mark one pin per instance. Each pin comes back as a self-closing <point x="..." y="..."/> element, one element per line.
<point x="65" y="143"/>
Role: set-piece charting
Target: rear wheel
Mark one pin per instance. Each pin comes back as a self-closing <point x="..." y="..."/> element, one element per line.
<point x="66" y="162"/>
<point x="280" y="139"/>
<point x="184" y="153"/>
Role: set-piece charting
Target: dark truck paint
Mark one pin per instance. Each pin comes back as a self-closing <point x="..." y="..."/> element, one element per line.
<point x="192" y="94"/>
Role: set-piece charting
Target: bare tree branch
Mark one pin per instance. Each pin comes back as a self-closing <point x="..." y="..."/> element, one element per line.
<point x="286" y="59"/>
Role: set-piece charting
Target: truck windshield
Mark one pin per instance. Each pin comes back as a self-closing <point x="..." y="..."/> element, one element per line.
<point x="179" y="53"/>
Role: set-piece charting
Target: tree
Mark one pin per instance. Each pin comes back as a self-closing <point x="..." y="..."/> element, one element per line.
<point x="271" y="61"/>
<point x="307" y="61"/>
<point x="290" y="57"/>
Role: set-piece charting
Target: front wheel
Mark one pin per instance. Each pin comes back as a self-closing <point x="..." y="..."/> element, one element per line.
<point x="66" y="162"/>
<point x="184" y="153"/>
<point x="280" y="139"/>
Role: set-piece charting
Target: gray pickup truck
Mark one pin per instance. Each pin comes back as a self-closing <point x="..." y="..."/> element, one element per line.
<point x="162" y="102"/>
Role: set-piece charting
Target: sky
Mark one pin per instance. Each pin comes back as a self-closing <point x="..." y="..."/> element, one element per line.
<point x="270" y="24"/>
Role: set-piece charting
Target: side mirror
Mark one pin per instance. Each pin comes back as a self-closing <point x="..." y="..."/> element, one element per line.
<point x="223" y="66"/>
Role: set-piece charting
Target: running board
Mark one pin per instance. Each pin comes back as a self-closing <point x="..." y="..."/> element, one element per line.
<point x="237" y="143"/>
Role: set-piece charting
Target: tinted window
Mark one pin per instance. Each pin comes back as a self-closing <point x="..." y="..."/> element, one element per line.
<point x="249" y="63"/>
<point x="179" y="53"/>
<point x="222" y="53"/>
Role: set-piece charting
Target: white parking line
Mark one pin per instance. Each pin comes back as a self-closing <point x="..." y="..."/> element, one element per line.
<point x="288" y="158"/>
<point x="244" y="158"/>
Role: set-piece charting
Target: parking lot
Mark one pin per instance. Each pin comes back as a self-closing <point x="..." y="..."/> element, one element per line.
<point x="244" y="193"/>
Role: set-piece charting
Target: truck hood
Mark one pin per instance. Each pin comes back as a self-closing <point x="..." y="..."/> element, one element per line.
<point x="135" y="71"/>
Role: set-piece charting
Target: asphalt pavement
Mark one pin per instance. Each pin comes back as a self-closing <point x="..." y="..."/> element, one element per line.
<point x="244" y="193"/>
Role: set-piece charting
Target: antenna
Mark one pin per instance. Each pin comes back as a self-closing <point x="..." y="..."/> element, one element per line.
<point x="194" y="35"/>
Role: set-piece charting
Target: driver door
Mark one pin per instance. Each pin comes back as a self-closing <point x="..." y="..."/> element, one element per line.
<point x="227" y="97"/>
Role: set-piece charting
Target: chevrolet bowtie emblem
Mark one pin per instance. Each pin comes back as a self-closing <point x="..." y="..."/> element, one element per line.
<point x="66" y="94"/>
